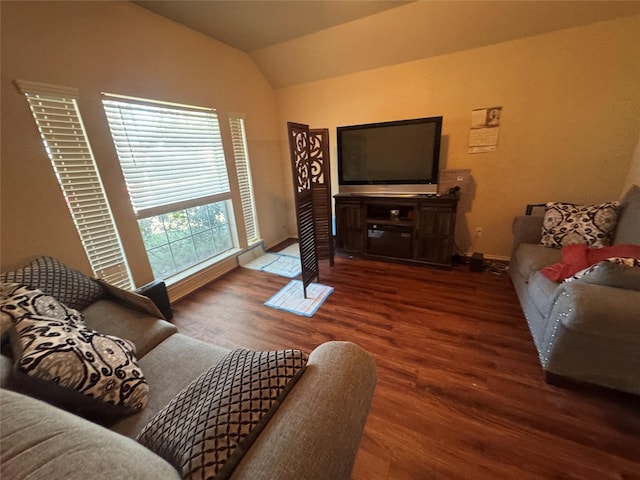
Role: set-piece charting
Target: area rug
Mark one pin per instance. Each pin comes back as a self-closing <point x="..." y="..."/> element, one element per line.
<point x="285" y="263"/>
<point x="285" y="266"/>
<point x="292" y="250"/>
<point x="291" y="298"/>
<point x="258" y="263"/>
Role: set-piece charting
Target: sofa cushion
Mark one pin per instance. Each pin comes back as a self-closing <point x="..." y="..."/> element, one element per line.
<point x="69" y="286"/>
<point x="114" y="318"/>
<point x="168" y="374"/>
<point x="628" y="227"/>
<point x="529" y="258"/>
<point x="206" y="429"/>
<point x="566" y="224"/>
<point x="41" y="442"/>
<point x="61" y="360"/>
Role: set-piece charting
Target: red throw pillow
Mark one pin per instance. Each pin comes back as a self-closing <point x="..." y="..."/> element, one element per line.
<point x="579" y="257"/>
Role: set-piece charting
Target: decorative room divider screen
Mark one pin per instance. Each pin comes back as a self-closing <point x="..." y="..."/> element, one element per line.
<point x="301" y="172"/>
<point x="321" y="192"/>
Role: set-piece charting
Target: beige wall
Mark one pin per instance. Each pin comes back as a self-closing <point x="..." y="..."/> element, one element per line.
<point x="569" y="122"/>
<point x="120" y="48"/>
<point x="569" y="126"/>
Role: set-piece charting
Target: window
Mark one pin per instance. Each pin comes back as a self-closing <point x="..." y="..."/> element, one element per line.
<point x="243" y="170"/>
<point x="174" y="167"/>
<point x="178" y="240"/>
<point x="57" y="116"/>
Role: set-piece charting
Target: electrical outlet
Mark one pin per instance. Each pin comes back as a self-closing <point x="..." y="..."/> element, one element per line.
<point x="478" y="232"/>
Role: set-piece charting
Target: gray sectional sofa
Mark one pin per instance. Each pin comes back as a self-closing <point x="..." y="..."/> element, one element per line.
<point x="586" y="328"/>
<point x="314" y="433"/>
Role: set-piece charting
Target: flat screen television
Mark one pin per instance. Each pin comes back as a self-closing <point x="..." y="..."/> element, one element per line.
<point x="390" y="157"/>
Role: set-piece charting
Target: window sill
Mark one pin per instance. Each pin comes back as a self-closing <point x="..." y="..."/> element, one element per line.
<point x="187" y="281"/>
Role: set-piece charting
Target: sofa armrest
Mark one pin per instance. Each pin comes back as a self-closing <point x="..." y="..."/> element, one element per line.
<point x="315" y="433"/>
<point x="600" y="310"/>
<point x="40" y="441"/>
<point x="526" y="229"/>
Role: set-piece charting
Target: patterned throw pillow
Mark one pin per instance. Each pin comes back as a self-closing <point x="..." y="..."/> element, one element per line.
<point x="63" y="361"/>
<point x="628" y="262"/>
<point x="17" y="300"/>
<point x="614" y="272"/>
<point x="208" y="427"/>
<point x="54" y="278"/>
<point x="566" y="224"/>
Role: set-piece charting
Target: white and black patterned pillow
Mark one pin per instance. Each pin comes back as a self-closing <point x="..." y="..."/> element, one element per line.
<point x="17" y="300"/>
<point x="71" y="287"/>
<point x="566" y="224"/>
<point x="61" y="360"/>
<point x="207" y="428"/>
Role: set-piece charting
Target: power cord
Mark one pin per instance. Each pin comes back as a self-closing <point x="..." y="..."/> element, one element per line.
<point x="495" y="267"/>
<point x="459" y="256"/>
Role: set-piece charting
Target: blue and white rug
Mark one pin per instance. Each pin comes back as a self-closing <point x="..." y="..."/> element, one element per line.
<point x="285" y="266"/>
<point x="285" y="263"/>
<point x="291" y="298"/>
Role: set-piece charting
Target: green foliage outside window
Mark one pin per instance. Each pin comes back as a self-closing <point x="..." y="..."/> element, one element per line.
<point x="179" y="240"/>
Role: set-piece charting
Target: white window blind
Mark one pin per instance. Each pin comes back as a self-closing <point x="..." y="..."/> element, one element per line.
<point x="243" y="170"/>
<point x="57" y="116"/>
<point x="171" y="157"/>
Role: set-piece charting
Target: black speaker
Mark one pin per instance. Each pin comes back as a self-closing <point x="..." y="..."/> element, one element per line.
<point x="157" y="292"/>
<point x="476" y="264"/>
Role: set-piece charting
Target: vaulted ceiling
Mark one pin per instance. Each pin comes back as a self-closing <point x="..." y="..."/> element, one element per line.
<point x="302" y="41"/>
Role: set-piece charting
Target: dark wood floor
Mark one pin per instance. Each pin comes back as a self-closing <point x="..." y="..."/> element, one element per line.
<point x="460" y="392"/>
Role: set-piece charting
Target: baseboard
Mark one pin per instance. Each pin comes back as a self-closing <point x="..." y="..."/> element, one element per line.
<point x="199" y="279"/>
<point x="278" y="242"/>
<point x="251" y="253"/>
<point x="494" y="258"/>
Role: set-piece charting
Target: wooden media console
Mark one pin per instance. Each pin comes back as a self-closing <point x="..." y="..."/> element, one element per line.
<point x="407" y="228"/>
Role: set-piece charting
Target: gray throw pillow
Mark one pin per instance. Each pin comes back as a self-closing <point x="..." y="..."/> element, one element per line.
<point x="71" y="287"/>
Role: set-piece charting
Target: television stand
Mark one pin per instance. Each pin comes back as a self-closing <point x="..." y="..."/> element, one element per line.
<point x="407" y="228"/>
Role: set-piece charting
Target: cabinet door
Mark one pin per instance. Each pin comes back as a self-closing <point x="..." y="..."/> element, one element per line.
<point x="349" y="227"/>
<point x="434" y="235"/>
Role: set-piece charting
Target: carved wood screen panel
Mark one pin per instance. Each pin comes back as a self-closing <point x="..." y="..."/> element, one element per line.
<point x="321" y="191"/>
<point x="301" y="171"/>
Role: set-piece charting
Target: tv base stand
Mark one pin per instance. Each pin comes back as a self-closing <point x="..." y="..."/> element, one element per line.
<point x="407" y="228"/>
